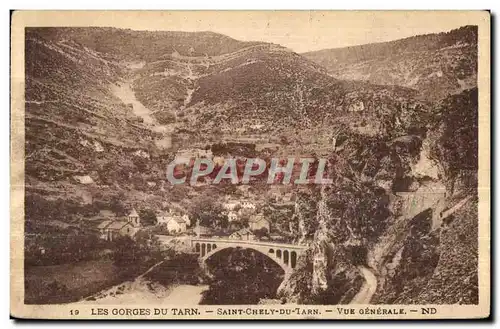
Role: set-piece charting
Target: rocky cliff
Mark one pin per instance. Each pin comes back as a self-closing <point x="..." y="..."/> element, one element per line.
<point x="414" y="229"/>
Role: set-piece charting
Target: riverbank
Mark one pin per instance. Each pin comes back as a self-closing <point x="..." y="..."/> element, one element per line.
<point x="142" y="291"/>
<point x="173" y="281"/>
<point x="70" y="282"/>
<point x="65" y="283"/>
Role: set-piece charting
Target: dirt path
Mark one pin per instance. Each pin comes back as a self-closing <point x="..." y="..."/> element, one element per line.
<point x="367" y="289"/>
<point x="126" y="94"/>
<point x="190" y="90"/>
<point x="453" y="209"/>
<point x="150" y="269"/>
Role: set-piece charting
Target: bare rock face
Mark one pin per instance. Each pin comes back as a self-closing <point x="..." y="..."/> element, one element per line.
<point x="320" y="265"/>
<point x="322" y="247"/>
<point x="304" y="215"/>
<point x="325" y="273"/>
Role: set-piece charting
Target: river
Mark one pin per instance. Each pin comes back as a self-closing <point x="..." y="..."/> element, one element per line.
<point x="145" y="290"/>
<point x="142" y="291"/>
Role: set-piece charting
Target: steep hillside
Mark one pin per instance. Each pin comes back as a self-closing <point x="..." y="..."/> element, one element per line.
<point x="436" y="65"/>
<point x="91" y="142"/>
<point x="83" y="144"/>
<point x="266" y="92"/>
<point x="404" y="209"/>
<point x="114" y="112"/>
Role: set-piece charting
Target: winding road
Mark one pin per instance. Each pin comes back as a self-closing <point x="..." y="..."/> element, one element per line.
<point x="367" y="289"/>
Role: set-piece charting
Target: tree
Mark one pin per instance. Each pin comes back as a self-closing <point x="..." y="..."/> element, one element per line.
<point x="148" y="216"/>
<point x="116" y="204"/>
<point x="261" y="232"/>
<point x="209" y="212"/>
<point x="131" y="252"/>
<point x="244" y="219"/>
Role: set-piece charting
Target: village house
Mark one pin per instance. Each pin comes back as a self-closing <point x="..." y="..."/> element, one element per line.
<point x="102" y="229"/>
<point x="186" y="219"/>
<point x="230" y="205"/>
<point x="185" y="155"/>
<point x="232" y="216"/>
<point x="176" y="224"/>
<point x="111" y="229"/>
<point x="258" y="222"/>
<point x="133" y="218"/>
<point x="243" y="234"/>
<point x="163" y="217"/>
<point x="246" y="204"/>
<point x="204" y="231"/>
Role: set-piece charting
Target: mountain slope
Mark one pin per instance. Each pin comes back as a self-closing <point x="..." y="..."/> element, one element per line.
<point x="413" y="225"/>
<point x="128" y="44"/>
<point x="98" y="100"/>
<point x="77" y="130"/>
<point x="97" y="147"/>
<point x="267" y="92"/>
<point x="435" y="64"/>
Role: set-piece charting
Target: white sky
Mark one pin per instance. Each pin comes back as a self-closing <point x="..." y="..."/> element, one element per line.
<point x="300" y="31"/>
<point x="305" y="31"/>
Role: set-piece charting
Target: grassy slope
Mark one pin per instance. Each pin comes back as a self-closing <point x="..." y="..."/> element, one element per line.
<point x="434" y="64"/>
<point x="80" y="280"/>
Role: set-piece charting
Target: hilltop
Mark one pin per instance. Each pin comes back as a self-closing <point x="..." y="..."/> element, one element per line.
<point x="436" y="65"/>
<point x="126" y="44"/>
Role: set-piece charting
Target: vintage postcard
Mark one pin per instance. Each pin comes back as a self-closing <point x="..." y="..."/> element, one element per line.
<point x="250" y="164"/>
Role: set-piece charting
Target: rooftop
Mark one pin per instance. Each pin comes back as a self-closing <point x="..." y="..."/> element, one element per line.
<point x="258" y="218"/>
<point x="106" y="213"/>
<point x="104" y="224"/>
<point x="117" y="225"/>
<point x="243" y="231"/>
<point x="179" y="220"/>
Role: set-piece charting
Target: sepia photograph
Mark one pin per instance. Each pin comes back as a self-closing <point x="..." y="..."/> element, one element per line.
<point x="250" y="165"/>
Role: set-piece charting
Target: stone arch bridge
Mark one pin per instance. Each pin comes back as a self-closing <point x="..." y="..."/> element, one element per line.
<point x="285" y="255"/>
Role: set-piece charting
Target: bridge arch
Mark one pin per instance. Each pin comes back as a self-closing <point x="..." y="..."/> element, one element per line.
<point x="293" y="259"/>
<point x="285" y="255"/>
<point x="269" y="255"/>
